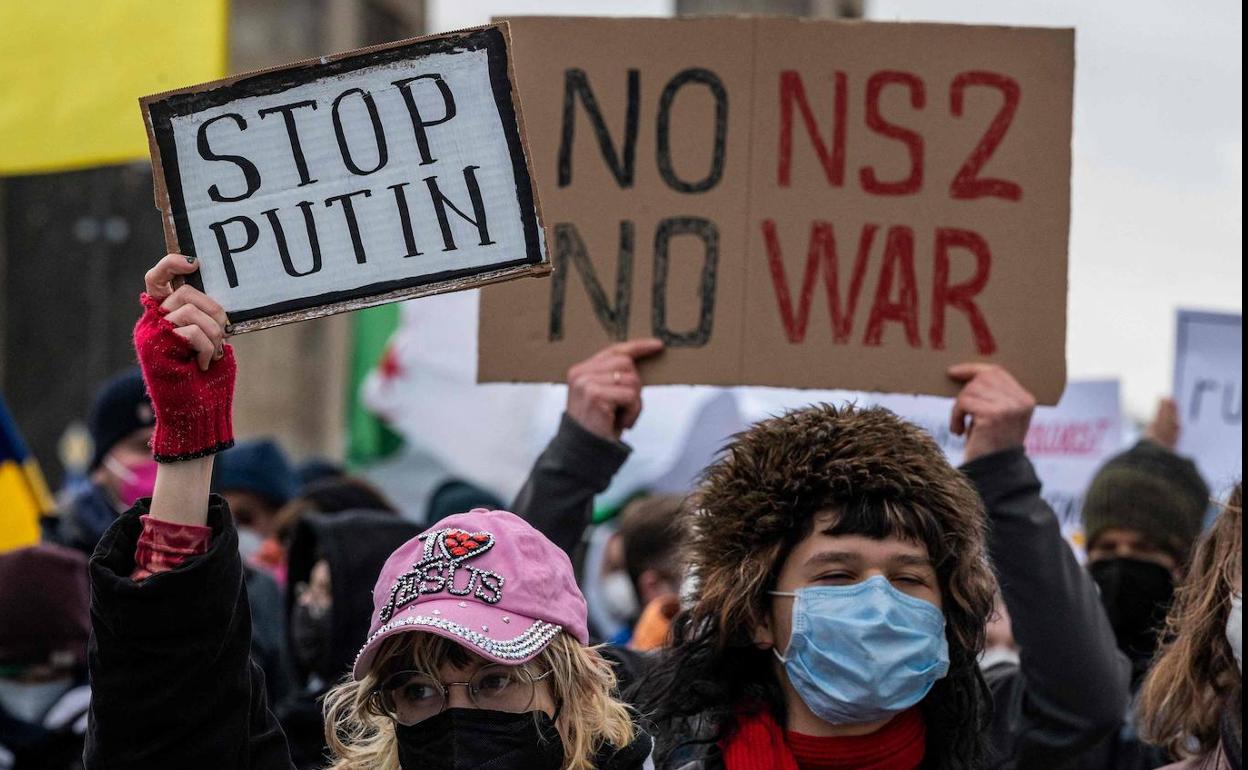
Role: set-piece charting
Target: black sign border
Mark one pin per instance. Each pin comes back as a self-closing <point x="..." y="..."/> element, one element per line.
<point x="490" y="39"/>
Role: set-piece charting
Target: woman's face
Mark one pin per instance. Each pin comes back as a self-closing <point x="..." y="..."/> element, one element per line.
<point x="413" y="695"/>
<point x="458" y="697"/>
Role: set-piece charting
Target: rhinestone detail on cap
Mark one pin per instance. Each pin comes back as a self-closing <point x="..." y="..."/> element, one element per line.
<point x="534" y="638"/>
<point x="440" y="569"/>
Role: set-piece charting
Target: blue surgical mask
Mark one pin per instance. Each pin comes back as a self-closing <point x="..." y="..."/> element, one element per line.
<point x="864" y="652"/>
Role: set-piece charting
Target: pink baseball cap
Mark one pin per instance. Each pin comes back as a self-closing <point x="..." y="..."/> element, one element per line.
<point x="484" y="579"/>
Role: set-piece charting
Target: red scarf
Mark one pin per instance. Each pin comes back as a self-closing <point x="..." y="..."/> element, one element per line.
<point x="760" y="744"/>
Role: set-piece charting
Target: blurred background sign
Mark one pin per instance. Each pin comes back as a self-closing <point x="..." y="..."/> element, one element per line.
<point x="1209" y="391"/>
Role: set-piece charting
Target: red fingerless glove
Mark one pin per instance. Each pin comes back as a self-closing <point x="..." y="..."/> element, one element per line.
<point x="193" y="408"/>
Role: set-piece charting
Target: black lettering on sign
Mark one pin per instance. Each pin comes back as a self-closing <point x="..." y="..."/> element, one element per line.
<point x="353" y="226"/>
<point x="251" y="233"/>
<point x="570" y="247"/>
<point x="419" y="124"/>
<point x="441" y="203"/>
<point x="622" y="164"/>
<point x="1231" y="408"/>
<point x="664" y="138"/>
<point x="287" y="111"/>
<point x="405" y="219"/>
<point x="251" y="174"/>
<point x="379" y="133"/>
<point x="709" y="233"/>
<point x="279" y="235"/>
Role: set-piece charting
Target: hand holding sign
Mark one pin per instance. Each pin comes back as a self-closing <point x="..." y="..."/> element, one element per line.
<point x="196" y="318"/>
<point x="604" y="391"/>
<point x="998" y="407"/>
<point x="188" y="368"/>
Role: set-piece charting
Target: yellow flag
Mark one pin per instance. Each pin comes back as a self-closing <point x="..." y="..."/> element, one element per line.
<point x="72" y="71"/>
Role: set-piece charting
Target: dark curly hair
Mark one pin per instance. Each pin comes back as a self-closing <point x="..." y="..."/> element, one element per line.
<point x="883" y="477"/>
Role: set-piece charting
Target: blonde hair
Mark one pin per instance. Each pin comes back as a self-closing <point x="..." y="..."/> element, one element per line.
<point x="1195" y="678"/>
<point x="361" y="737"/>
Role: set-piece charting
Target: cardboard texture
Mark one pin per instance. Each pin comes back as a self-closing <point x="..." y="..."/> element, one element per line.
<point x="348" y="181"/>
<point x="797" y="203"/>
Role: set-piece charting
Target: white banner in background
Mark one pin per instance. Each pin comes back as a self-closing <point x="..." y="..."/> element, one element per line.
<point x="491" y="434"/>
<point x="1209" y="390"/>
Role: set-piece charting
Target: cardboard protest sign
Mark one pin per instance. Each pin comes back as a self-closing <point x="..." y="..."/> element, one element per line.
<point x="1209" y="391"/>
<point x="794" y="202"/>
<point x="351" y="180"/>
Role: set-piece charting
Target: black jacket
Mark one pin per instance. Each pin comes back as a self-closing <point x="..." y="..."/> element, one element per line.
<point x="173" y="684"/>
<point x="1071" y="688"/>
<point x="355" y="544"/>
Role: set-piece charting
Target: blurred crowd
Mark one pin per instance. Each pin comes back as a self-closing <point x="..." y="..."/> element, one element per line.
<point x="1128" y="661"/>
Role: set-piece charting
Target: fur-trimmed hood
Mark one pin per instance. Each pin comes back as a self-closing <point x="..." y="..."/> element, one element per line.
<point x="774" y="477"/>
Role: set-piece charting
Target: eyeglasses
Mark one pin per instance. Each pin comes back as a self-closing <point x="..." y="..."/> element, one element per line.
<point x="409" y="697"/>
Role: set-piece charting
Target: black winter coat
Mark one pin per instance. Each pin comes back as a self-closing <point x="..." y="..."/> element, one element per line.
<point x="356" y="545"/>
<point x="173" y="684"/>
<point x="172" y="680"/>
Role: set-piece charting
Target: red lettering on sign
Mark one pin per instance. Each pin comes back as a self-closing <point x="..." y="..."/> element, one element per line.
<point x="968" y="185"/>
<point x="911" y="139"/>
<point x="961" y="295"/>
<point x="1073" y="439"/>
<point x="898" y="257"/>
<point x="822" y="246"/>
<point x="792" y="91"/>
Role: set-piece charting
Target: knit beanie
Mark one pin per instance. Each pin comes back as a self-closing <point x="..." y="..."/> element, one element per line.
<point x="121" y="407"/>
<point x="257" y="466"/>
<point x="44" y="599"/>
<point x="1152" y="490"/>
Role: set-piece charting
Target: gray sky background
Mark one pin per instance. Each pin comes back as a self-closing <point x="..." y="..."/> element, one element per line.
<point x="1157" y="191"/>
<point x="1157" y="187"/>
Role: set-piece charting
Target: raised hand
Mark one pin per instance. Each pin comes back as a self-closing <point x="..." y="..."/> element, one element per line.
<point x="993" y="410"/>
<point x="189" y="370"/>
<point x="1165" y="428"/>
<point x="604" y="391"/>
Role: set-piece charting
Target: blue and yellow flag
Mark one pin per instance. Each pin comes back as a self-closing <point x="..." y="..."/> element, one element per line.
<point x="72" y="72"/>
<point x="23" y="493"/>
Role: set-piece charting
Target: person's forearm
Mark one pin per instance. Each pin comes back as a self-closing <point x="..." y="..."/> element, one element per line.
<point x="182" y="489"/>
<point x="557" y="499"/>
<point x="1069" y="657"/>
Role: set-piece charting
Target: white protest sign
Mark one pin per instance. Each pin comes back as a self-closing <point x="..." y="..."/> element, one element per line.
<point x="1209" y="390"/>
<point x="348" y="181"/>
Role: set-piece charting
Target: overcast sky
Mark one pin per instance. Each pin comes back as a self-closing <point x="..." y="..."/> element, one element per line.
<point x="1158" y="162"/>
<point x="1156" y="220"/>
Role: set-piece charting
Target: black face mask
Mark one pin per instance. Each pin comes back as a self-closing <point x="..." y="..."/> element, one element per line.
<point x="1136" y="595"/>
<point x="309" y="637"/>
<point x="460" y="739"/>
